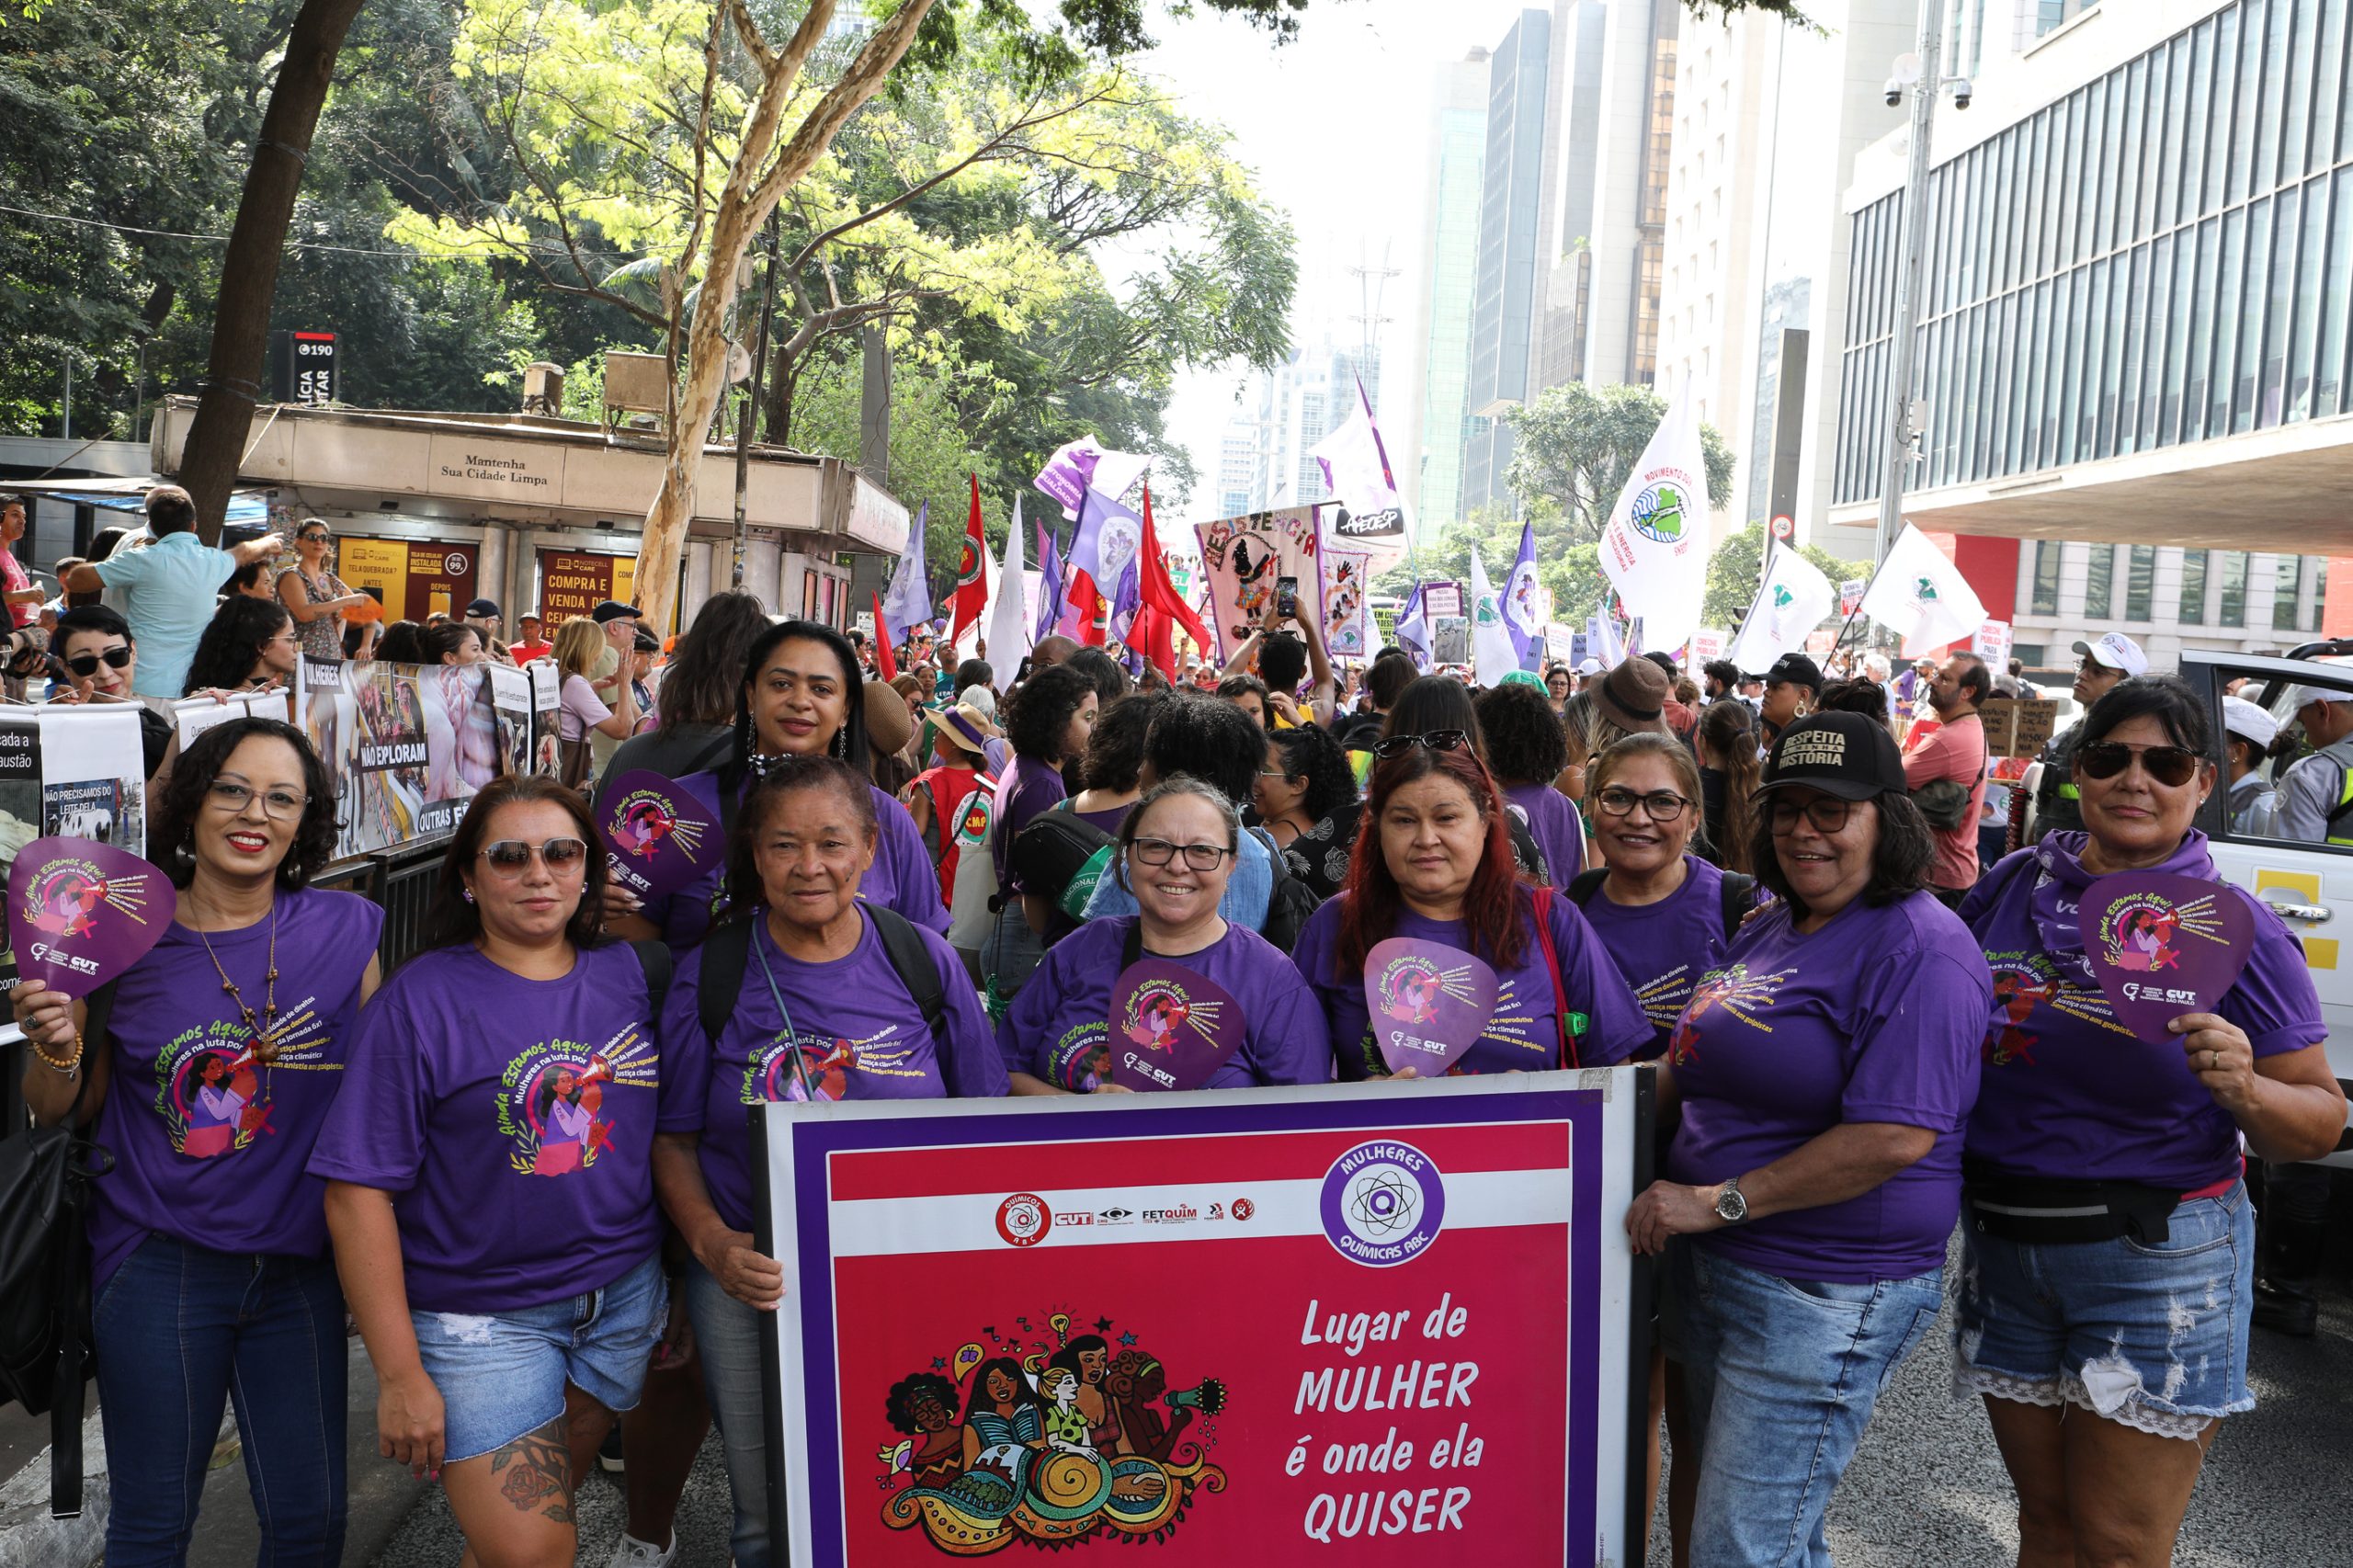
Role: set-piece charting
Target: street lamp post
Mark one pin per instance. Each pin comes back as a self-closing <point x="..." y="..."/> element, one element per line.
<point x="1924" y="80"/>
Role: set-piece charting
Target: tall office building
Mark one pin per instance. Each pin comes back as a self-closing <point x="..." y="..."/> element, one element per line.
<point x="1266" y="457"/>
<point x="2138" y="321"/>
<point x="1441" y="436"/>
<point x="1503" y="305"/>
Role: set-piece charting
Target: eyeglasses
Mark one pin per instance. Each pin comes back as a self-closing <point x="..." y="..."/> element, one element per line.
<point x="276" y="804"/>
<point x="1437" y="740"/>
<point x="320" y="537"/>
<point x="86" y="665"/>
<point x="1827" y="812"/>
<point x="2170" y="765"/>
<point x="1159" y="852"/>
<point x="1663" y="805"/>
<point x="512" y="857"/>
<point x="1272" y="773"/>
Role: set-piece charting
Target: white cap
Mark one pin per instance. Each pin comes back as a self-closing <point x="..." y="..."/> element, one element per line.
<point x="1590" y="667"/>
<point x="2118" y="651"/>
<point x="2248" y="722"/>
<point x="2308" y="695"/>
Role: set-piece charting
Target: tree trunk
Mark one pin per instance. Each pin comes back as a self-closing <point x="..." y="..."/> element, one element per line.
<point x="744" y="205"/>
<point x="216" y="441"/>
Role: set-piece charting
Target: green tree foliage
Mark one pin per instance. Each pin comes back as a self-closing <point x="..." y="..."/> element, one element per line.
<point x="1577" y="444"/>
<point x="1739" y="566"/>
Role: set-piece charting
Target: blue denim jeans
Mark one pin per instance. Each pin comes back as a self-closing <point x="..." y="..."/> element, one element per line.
<point x="178" y="1330"/>
<point x="1779" y="1377"/>
<point x="727" y="1347"/>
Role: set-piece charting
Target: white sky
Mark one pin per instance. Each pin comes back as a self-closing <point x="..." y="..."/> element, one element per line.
<point x="1336" y="128"/>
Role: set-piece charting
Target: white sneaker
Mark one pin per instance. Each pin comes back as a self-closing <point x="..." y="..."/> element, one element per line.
<point x="634" y="1553"/>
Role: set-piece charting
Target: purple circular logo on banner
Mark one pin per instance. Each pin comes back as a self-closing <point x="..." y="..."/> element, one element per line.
<point x="1382" y="1204"/>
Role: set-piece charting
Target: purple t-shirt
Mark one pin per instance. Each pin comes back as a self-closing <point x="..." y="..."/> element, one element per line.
<point x="1872" y="1019"/>
<point x="205" y="1150"/>
<point x="1553" y="823"/>
<point x="901" y="879"/>
<point x="1060" y="1022"/>
<point x="2071" y="1093"/>
<point x="1026" y="789"/>
<point x="512" y="1120"/>
<point x="857" y="1030"/>
<point x="1524" y="1033"/>
<point x="1662" y="948"/>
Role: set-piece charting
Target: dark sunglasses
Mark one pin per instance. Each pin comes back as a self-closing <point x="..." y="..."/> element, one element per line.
<point x="86" y="665"/>
<point x="2170" y="765"/>
<point x="317" y="536"/>
<point x="1437" y="740"/>
<point x="513" y="855"/>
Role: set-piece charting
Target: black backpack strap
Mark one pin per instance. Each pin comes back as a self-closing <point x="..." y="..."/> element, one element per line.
<point x="654" y="957"/>
<point x="1739" y="895"/>
<point x="1587" y="885"/>
<point x="725" y="953"/>
<point x="912" y="962"/>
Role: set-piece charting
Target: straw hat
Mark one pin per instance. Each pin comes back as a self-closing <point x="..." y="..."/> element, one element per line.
<point x="888" y="725"/>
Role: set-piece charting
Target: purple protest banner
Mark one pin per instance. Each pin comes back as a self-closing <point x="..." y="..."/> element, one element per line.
<point x="1171" y="1028"/>
<point x="659" y="835"/>
<point x="81" y="913"/>
<point x="1427" y="1003"/>
<point x="2162" y="945"/>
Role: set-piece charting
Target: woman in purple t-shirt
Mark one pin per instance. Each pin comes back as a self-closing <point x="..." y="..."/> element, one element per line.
<point x="1047" y="720"/>
<point x="1825" y="1073"/>
<point x="815" y="1009"/>
<point x="2110" y="1248"/>
<point x="1527" y="750"/>
<point x="490" y="1181"/>
<point x="223" y="1050"/>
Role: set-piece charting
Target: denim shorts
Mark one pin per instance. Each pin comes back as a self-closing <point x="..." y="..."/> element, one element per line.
<point x="2153" y="1337"/>
<point x="502" y="1374"/>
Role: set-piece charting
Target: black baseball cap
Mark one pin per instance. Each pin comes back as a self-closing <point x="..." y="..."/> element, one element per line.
<point x="482" y="610"/>
<point x="1795" y="667"/>
<point x="613" y="609"/>
<point x="1851" y="755"/>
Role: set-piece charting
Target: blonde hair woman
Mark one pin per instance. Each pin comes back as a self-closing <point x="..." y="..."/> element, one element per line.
<point x="581" y="649"/>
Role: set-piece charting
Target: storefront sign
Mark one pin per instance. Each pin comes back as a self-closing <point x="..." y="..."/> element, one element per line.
<point x="574" y="581"/>
<point x="527" y="473"/>
<point x="1388" y="1325"/>
<point x="410" y="580"/>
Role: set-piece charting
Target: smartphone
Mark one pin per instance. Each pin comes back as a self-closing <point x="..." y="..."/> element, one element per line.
<point x="1286" y="595"/>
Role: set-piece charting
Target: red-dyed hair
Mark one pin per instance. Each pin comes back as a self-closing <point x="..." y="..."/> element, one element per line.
<point x="1491" y="907"/>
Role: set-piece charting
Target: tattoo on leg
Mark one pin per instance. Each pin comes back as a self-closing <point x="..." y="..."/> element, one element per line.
<point x="534" y="1471"/>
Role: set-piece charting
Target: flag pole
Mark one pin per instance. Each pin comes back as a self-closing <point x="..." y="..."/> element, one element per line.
<point x="1876" y="567"/>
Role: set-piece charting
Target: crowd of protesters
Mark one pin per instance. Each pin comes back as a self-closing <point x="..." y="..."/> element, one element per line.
<point x="1749" y="884"/>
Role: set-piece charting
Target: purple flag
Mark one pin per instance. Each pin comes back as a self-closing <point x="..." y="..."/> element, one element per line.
<point x="1429" y="1003"/>
<point x="81" y="913"/>
<point x="658" y="833"/>
<point x="1069" y="471"/>
<point x="2162" y="945"/>
<point x="1050" y="584"/>
<point x="907" y="604"/>
<point x="1171" y="1028"/>
<point x="1105" y="545"/>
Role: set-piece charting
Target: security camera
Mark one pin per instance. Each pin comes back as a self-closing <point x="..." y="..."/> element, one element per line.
<point x="1894" y="92"/>
<point x="1963" y="93"/>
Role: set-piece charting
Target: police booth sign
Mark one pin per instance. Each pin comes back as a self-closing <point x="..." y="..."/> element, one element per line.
<point x="302" y="366"/>
<point x="1378" y="1324"/>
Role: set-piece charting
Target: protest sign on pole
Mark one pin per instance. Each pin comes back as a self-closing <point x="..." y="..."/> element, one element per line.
<point x="1347" y="618"/>
<point x="1430" y="1362"/>
<point x="1242" y="559"/>
<point x="1993" y="644"/>
<point x="1850" y="594"/>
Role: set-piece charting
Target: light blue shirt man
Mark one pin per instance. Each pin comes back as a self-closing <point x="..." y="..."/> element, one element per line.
<point x="168" y="591"/>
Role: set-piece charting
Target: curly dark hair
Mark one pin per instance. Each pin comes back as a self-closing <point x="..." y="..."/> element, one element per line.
<point x="899" y="1406"/>
<point x="451" y="919"/>
<point x="786" y="779"/>
<point x="1309" y="754"/>
<point x="1039" y="712"/>
<point x="225" y="656"/>
<point x="1110" y="680"/>
<point x="1209" y="738"/>
<point x="1899" y="863"/>
<point x="1525" y="742"/>
<point x="1115" y="747"/>
<point x="189" y="790"/>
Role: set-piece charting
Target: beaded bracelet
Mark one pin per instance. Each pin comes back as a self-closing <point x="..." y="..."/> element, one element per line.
<point x="68" y="1067"/>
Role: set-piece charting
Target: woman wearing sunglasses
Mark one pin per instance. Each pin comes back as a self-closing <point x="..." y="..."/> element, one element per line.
<point x="490" y="1182"/>
<point x="95" y="649"/>
<point x="1825" y="1073"/>
<point x="1434" y="863"/>
<point x="814" y="1006"/>
<point x="313" y="596"/>
<point x="2111" y="1246"/>
<point x="219" y="1059"/>
<point x="1177" y="850"/>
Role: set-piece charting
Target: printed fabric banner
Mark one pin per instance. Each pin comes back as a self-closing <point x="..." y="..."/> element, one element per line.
<point x="69" y="772"/>
<point x="1347" y="606"/>
<point x="1242" y="559"/>
<point x="1395" y="1319"/>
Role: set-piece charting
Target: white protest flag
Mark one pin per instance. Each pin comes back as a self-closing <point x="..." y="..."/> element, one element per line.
<point x="1791" y="601"/>
<point x="1655" y="549"/>
<point x="1008" y="619"/>
<point x="1493" y="652"/>
<point x="1919" y="593"/>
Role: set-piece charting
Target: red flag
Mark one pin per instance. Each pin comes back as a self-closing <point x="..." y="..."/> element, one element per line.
<point x="1093" y="615"/>
<point x="972" y="571"/>
<point x="885" y="662"/>
<point x="1164" y="609"/>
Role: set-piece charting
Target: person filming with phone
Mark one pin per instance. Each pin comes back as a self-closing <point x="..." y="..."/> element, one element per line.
<point x="1282" y="659"/>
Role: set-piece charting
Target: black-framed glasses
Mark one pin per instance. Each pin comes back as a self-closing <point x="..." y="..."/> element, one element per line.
<point x="1159" y="852"/>
<point x="1437" y="740"/>
<point x="276" y="804"/>
<point x="86" y="665"/>
<point x="1827" y="812"/>
<point x="1662" y="805"/>
<point x="512" y="857"/>
<point x="2170" y="765"/>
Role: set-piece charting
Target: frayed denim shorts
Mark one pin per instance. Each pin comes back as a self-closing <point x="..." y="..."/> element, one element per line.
<point x="2151" y="1336"/>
